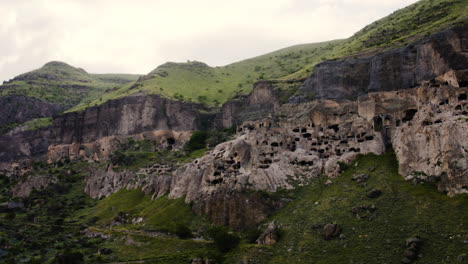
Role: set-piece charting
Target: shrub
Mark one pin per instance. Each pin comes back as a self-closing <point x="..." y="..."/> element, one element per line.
<point x="343" y="166"/>
<point x="69" y="258"/>
<point x="222" y="239"/>
<point x="121" y="158"/>
<point x="183" y="231"/>
<point x="217" y="137"/>
<point x="251" y="235"/>
<point x="202" y="98"/>
<point x="10" y="216"/>
<point x="196" y="141"/>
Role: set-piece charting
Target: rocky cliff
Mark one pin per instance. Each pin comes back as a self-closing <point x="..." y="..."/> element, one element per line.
<point x="389" y="70"/>
<point x="18" y="109"/>
<point x="263" y="102"/>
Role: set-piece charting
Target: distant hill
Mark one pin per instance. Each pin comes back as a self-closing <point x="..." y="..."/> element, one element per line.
<point x="63" y="85"/>
<point x="198" y="82"/>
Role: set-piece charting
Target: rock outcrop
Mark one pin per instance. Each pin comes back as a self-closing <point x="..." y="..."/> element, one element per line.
<point x="270" y="236"/>
<point x="35" y="182"/>
<point x="263" y="102"/>
<point x="128" y="116"/>
<point x="389" y="70"/>
<point x="433" y="145"/>
<point x="96" y="132"/>
<point x="18" y="109"/>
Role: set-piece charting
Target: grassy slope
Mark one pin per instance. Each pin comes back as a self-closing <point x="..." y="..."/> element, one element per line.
<point x="62" y="84"/>
<point x="195" y="81"/>
<point x="403" y="211"/>
<point x="161" y="214"/>
<point x="53" y="221"/>
<point x="37" y="123"/>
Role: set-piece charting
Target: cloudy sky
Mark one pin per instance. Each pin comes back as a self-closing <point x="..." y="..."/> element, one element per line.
<point x="135" y="36"/>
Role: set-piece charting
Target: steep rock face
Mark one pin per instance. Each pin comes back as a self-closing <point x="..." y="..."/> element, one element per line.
<point x="37" y="182"/>
<point x="154" y="180"/>
<point x="261" y="103"/>
<point x="23" y="145"/>
<point x="127" y="116"/>
<point x="433" y="146"/>
<point x="102" y="148"/>
<point x="97" y="131"/>
<point x="19" y="109"/>
<point x="390" y="70"/>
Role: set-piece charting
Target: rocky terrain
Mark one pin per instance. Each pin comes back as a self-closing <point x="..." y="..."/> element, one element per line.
<point x="31" y="108"/>
<point x="136" y="154"/>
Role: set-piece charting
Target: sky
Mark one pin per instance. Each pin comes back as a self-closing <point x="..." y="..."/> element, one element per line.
<point x="135" y="36"/>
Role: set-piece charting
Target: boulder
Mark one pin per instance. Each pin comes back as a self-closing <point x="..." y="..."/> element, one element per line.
<point x="270" y="236"/>
<point x="374" y="194"/>
<point x="331" y="231"/>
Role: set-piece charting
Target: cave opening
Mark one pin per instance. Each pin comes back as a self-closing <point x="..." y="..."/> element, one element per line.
<point x="409" y="115"/>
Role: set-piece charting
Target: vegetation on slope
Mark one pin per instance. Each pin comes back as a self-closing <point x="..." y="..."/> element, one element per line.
<point x="373" y="236"/>
<point x="62" y="84"/>
<point x="37" y="230"/>
<point x="130" y="226"/>
<point x="198" y="82"/>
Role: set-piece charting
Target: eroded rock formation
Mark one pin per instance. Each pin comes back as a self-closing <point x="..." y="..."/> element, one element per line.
<point x="17" y="109"/>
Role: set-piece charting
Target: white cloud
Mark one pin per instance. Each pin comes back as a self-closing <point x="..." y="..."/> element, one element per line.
<point x="136" y="36"/>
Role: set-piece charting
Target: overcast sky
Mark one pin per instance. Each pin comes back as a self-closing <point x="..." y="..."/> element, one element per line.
<point x="135" y="36"/>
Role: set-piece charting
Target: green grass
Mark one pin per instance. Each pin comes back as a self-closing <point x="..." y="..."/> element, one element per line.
<point x="161" y="214"/>
<point x="37" y="123"/>
<point x="131" y="247"/>
<point x="403" y="211"/>
<point x="198" y="82"/>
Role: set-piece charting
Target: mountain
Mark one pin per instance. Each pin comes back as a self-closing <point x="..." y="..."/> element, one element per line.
<point x="53" y="88"/>
<point x="63" y="85"/>
<point x="361" y="160"/>
<point x="198" y="82"/>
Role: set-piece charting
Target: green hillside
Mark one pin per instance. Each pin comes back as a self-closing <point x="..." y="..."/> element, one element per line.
<point x="198" y="82"/>
<point x="374" y="230"/>
<point x="62" y="84"/>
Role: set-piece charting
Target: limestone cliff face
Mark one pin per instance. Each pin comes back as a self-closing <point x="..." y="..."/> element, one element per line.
<point x="19" y="109"/>
<point x="97" y="131"/>
<point x="261" y="103"/>
<point x="389" y="70"/>
<point x="268" y="157"/>
<point x="127" y="116"/>
<point x="433" y="146"/>
<point x="24" y="145"/>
